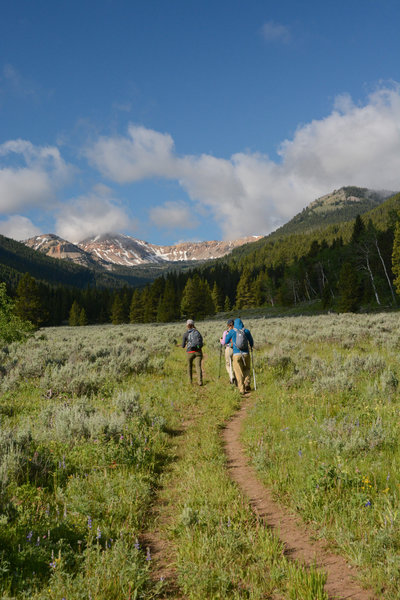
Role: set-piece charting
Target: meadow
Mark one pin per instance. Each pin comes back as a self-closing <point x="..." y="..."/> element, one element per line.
<point x="103" y="442"/>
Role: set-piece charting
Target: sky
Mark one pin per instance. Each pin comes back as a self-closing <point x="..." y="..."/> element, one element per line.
<point x="190" y="121"/>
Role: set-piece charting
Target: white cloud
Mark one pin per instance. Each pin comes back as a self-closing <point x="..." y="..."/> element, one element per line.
<point x="90" y="215"/>
<point x="29" y="175"/>
<point x="145" y="153"/>
<point x="275" y="32"/>
<point x="173" y="215"/>
<point x="19" y="228"/>
<point x="252" y="194"/>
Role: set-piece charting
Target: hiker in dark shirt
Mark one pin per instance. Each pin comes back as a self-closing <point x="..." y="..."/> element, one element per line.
<point x="193" y="341"/>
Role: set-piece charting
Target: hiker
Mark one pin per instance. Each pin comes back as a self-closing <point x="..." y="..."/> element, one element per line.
<point x="228" y="352"/>
<point x="241" y="339"/>
<point x="194" y="342"/>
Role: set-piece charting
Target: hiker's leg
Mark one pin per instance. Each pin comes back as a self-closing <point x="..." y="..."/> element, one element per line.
<point x="198" y="360"/>
<point x="237" y="369"/>
<point x="228" y="362"/>
<point x="246" y="372"/>
<point x="190" y="357"/>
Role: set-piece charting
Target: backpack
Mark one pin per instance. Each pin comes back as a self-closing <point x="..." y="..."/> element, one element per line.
<point x="241" y="343"/>
<point x="195" y="341"/>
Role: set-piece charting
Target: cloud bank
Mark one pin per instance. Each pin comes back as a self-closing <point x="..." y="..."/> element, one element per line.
<point x="93" y="214"/>
<point x="18" y="228"/>
<point x="252" y="194"/>
<point x="30" y="176"/>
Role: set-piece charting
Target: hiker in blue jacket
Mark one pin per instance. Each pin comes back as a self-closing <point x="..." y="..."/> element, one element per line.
<point x="241" y="339"/>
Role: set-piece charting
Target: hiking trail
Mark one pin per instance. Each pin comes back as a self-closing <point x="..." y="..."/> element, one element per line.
<point x="341" y="583"/>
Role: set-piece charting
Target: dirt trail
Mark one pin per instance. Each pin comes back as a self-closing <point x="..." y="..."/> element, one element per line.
<point x="298" y="543"/>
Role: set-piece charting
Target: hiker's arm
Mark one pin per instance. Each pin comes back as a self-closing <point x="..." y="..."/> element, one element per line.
<point x="228" y="337"/>
<point x="184" y="339"/>
<point x="223" y="339"/>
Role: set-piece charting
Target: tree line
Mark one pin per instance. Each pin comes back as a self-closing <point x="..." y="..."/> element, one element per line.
<point x="362" y="270"/>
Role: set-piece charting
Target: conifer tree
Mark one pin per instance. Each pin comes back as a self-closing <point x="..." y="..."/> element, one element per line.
<point x="167" y="307"/>
<point x="358" y="230"/>
<point x="244" y="291"/>
<point x="117" y="311"/>
<point x="82" y="317"/>
<point x="349" y="289"/>
<point x="28" y="305"/>
<point x="189" y="302"/>
<point x="74" y="314"/>
<point x="227" y="304"/>
<point x="136" y="312"/>
<point x="217" y="297"/>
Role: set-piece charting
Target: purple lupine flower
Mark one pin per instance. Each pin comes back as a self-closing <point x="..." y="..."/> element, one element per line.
<point x="98" y="534"/>
<point x="368" y="503"/>
<point x="148" y="555"/>
<point x="300" y="453"/>
<point x="29" y="536"/>
<point x="89" y="523"/>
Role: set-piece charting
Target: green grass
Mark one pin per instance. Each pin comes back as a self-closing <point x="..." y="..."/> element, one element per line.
<point x="324" y="435"/>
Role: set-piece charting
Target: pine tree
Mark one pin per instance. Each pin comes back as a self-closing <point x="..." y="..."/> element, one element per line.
<point x="217" y="297"/>
<point x="189" y="302"/>
<point x="358" y="230"/>
<point x="227" y="304"/>
<point x="82" y="317"/>
<point x="117" y="311"/>
<point x="74" y="314"/>
<point x="244" y="291"/>
<point x="167" y="307"/>
<point x="349" y="289"/>
<point x="28" y="305"/>
<point x="136" y="311"/>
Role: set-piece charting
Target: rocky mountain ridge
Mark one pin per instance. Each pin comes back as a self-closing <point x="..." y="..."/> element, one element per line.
<point x="110" y="250"/>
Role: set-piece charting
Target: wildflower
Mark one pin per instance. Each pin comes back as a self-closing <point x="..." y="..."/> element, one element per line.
<point x="29" y="536"/>
<point x="53" y="564"/>
<point x="148" y="555"/>
<point x="300" y="453"/>
<point x="137" y="545"/>
<point x="385" y="491"/>
<point x="368" y="503"/>
<point x="98" y="535"/>
<point x="89" y="523"/>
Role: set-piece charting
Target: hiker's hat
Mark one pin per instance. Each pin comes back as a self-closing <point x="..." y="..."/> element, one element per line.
<point x="190" y="322"/>
<point x="230" y="322"/>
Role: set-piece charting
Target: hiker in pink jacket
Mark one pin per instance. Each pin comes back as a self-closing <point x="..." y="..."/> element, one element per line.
<point x="228" y="352"/>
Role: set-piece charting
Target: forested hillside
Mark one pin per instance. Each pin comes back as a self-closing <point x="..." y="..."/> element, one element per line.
<point x="344" y="266"/>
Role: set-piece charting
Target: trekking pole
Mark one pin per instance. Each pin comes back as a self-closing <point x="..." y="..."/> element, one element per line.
<point x="254" y="373"/>
<point x="220" y="355"/>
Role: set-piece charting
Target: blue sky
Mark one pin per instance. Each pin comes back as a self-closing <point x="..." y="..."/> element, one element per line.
<point x="187" y="120"/>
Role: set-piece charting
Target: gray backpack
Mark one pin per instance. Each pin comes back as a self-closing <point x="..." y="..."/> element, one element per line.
<point x="241" y="343"/>
<point x="195" y="341"/>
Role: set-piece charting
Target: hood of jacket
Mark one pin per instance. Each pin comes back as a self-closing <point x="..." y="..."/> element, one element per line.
<point x="238" y="324"/>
